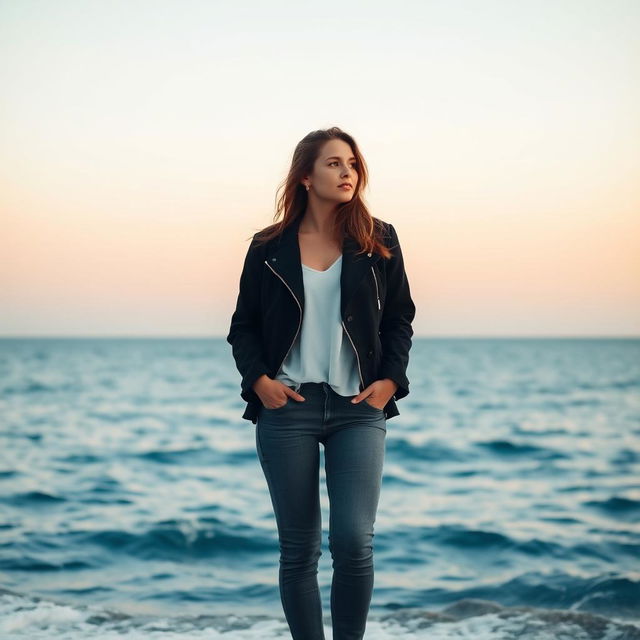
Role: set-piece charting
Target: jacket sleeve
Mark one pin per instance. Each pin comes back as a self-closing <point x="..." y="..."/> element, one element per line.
<point x="245" y="331"/>
<point x="395" y="326"/>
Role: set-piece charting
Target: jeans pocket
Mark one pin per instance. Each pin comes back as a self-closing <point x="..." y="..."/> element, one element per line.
<point x="371" y="406"/>
<point x="282" y="406"/>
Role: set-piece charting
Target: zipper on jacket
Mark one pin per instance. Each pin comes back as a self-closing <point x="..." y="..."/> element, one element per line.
<point x="354" y="348"/>
<point x="376" y="281"/>
<point x="299" y="321"/>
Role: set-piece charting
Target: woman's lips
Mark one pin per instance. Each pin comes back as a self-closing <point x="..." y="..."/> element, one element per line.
<point x="345" y="186"/>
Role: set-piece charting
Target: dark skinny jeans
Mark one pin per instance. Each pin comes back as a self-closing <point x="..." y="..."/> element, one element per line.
<point x="287" y="442"/>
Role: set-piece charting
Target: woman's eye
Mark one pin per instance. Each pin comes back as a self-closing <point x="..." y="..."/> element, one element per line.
<point x="353" y="165"/>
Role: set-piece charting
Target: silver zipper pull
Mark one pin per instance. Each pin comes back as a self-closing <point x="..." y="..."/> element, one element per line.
<point x="373" y="273"/>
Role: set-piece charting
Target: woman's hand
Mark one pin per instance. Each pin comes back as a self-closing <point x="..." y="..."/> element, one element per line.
<point x="273" y="393"/>
<point x="380" y="392"/>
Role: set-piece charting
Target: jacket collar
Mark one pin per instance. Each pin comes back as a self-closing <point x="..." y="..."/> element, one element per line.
<point x="283" y="256"/>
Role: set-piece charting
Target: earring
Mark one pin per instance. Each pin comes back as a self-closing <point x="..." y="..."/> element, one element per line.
<point x="307" y="186"/>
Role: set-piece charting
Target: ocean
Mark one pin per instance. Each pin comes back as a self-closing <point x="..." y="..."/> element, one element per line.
<point x="132" y="502"/>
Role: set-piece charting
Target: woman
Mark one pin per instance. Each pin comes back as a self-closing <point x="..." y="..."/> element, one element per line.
<point x="321" y="337"/>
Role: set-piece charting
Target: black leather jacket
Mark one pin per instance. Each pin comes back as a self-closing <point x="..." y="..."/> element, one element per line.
<point x="376" y="310"/>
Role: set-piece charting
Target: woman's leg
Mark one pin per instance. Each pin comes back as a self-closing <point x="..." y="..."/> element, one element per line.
<point x="354" y="456"/>
<point x="289" y="454"/>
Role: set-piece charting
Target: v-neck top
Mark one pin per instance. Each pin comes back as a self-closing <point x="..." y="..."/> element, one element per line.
<point x="322" y="351"/>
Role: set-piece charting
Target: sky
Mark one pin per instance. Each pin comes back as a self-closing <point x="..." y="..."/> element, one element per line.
<point x="142" y="145"/>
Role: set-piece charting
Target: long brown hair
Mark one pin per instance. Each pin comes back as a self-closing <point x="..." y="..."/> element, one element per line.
<point x="352" y="218"/>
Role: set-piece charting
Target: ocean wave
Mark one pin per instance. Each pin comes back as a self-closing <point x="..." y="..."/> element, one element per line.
<point x="468" y="619"/>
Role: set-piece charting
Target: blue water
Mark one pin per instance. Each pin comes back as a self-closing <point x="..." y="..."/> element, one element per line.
<point x="132" y="499"/>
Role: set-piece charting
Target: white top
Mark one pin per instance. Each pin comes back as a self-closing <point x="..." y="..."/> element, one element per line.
<point x="322" y="351"/>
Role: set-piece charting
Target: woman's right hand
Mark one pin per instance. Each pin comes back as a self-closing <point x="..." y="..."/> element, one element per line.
<point x="273" y="393"/>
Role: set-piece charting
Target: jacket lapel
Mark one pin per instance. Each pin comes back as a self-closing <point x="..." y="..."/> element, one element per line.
<point x="284" y="258"/>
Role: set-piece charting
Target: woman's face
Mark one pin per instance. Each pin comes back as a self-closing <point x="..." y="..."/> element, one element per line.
<point x="334" y="166"/>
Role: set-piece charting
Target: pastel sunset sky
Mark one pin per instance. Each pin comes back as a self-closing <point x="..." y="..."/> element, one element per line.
<point x="143" y="143"/>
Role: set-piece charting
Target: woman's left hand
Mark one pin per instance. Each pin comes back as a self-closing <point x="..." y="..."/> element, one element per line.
<point x="378" y="393"/>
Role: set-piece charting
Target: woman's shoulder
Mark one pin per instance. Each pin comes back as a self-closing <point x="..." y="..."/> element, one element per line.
<point x="267" y="234"/>
<point x="383" y="223"/>
<point x="262" y="238"/>
<point x="385" y="229"/>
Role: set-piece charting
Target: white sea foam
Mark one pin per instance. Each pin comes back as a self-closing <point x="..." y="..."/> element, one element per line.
<point x="22" y="617"/>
